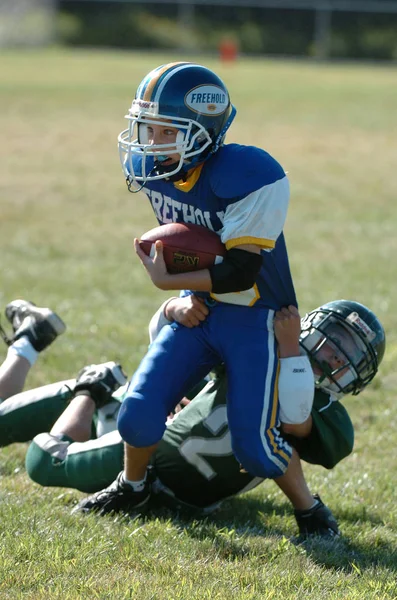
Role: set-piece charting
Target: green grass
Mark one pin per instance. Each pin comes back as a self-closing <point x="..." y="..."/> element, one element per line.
<point x="66" y="230"/>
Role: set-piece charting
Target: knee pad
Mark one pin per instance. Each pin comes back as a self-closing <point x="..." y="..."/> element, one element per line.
<point x="44" y="458"/>
<point x="138" y="424"/>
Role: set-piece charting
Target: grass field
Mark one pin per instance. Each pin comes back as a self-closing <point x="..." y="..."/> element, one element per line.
<point x="66" y="230"/>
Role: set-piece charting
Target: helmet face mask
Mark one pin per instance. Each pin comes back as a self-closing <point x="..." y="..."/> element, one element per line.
<point x="190" y="141"/>
<point x="191" y="99"/>
<point x="336" y="355"/>
<point x="345" y="343"/>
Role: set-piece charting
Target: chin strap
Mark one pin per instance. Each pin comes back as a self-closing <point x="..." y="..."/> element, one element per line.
<point x="129" y="182"/>
<point x="130" y="188"/>
<point x="5" y="336"/>
<point x="326" y="369"/>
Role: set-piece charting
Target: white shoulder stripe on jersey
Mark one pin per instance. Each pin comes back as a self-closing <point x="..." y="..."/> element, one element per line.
<point x="260" y="215"/>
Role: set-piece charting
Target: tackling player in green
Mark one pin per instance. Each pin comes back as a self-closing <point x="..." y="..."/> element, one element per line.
<point x="194" y="466"/>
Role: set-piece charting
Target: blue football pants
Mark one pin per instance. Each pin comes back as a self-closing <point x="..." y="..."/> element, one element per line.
<point x="243" y="339"/>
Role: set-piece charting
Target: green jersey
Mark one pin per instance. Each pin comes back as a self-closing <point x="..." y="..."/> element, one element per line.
<point x="195" y="460"/>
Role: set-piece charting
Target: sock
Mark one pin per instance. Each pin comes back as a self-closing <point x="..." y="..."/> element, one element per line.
<point x="24" y="348"/>
<point x="304" y="511"/>
<point x="137" y="486"/>
<point x="315" y="502"/>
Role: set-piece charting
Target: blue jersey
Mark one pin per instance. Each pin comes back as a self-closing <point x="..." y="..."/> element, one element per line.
<point x="242" y="194"/>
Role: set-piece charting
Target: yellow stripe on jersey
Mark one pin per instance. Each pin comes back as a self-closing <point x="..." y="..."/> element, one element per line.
<point x="250" y="240"/>
<point x="244" y="298"/>
<point x="147" y="96"/>
<point x="256" y="292"/>
<point x="191" y="179"/>
<point x="272" y="424"/>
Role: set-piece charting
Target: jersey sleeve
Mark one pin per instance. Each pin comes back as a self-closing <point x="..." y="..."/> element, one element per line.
<point x="256" y="195"/>
<point x="257" y="218"/>
<point x="332" y="436"/>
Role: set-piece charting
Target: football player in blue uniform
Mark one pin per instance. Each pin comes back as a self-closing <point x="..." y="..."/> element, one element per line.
<point x="173" y="150"/>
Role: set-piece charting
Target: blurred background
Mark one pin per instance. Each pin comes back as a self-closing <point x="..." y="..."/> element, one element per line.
<point x="323" y="29"/>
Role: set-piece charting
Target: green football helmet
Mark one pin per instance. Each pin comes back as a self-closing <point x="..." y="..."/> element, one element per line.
<point x="345" y="342"/>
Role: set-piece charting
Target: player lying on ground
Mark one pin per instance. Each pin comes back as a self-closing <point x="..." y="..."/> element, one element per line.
<point x="76" y="421"/>
<point x="24" y="415"/>
<point x="194" y="462"/>
<point x="345" y="342"/>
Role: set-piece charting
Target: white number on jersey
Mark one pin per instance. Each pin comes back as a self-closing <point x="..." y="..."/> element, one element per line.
<point x="195" y="449"/>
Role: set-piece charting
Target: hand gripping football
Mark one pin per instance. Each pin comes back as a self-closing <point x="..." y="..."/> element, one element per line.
<point x="187" y="247"/>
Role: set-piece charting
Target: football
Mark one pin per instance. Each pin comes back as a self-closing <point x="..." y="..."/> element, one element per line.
<point x="187" y="247"/>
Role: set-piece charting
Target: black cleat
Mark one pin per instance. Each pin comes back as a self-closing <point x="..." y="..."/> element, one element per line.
<point x="40" y="325"/>
<point x="118" y="497"/>
<point x="317" y="521"/>
<point x="100" y="381"/>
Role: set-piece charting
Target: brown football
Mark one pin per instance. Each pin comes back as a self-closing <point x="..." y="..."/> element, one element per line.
<point x="187" y="247"/>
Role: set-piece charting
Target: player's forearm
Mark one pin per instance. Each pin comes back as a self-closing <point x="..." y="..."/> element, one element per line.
<point x="287" y="329"/>
<point x="289" y="349"/>
<point x="229" y="273"/>
<point x="199" y="281"/>
<point x="299" y="430"/>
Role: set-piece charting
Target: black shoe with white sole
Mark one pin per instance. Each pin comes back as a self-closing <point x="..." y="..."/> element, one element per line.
<point x="118" y="497"/>
<point x="40" y="325"/>
<point x="100" y="381"/>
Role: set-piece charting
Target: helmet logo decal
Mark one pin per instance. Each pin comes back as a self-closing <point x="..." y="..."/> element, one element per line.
<point x="143" y="106"/>
<point x="354" y="319"/>
<point x="207" y="100"/>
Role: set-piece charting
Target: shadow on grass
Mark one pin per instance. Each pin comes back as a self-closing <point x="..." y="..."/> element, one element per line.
<point x="351" y="557"/>
<point x="260" y="528"/>
<point x="360" y="514"/>
<point x="231" y="528"/>
<point x="349" y="554"/>
<point x="236" y="513"/>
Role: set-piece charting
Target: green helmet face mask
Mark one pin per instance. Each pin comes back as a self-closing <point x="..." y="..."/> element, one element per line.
<point x="345" y="342"/>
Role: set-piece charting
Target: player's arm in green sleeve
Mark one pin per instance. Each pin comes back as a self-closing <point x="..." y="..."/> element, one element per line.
<point x="331" y="438"/>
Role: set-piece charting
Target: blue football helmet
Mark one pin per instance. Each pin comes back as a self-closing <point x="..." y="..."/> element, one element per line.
<point x="345" y="342"/>
<point x="188" y="97"/>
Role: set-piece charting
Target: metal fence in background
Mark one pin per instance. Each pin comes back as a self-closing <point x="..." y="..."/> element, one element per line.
<point x="33" y="22"/>
<point x="322" y="9"/>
